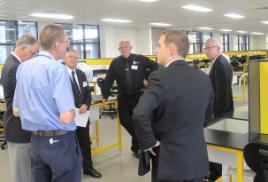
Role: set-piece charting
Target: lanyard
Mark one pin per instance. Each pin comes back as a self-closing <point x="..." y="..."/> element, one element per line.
<point x="38" y="55"/>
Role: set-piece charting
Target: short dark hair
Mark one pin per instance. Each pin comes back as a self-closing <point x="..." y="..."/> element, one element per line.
<point x="51" y="34"/>
<point x="179" y="38"/>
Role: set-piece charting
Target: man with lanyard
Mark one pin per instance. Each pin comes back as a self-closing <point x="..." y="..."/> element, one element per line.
<point x="44" y="101"/>
<point x="124" y="69"/>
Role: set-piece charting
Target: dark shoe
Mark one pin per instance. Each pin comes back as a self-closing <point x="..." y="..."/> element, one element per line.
<point x="93" y="172"/>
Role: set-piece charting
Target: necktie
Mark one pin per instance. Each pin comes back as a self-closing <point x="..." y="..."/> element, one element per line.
<point x="77" y="92"/>
<point x="128" y="77"/>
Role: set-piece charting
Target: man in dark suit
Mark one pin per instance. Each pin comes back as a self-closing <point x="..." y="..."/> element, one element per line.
<point x="18" y="140"/>
<point x="130" y="72"/>
<point x="221" y="75"/>
<point x="169" y="117"/>
<point x="82" y="98"/>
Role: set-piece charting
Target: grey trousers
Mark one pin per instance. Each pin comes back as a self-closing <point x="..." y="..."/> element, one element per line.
<point x="20" y="161"/>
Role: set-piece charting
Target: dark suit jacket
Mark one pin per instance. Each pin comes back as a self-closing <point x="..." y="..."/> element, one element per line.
<point x="172" y="110"/>
<point x="221" y="75"/>
<point x="13" y="129"/>
<point x="84" y="87"/>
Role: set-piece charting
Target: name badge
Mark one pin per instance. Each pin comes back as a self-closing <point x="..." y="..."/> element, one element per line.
<point x="84" y="84"/>
<point x="134" y="67"/>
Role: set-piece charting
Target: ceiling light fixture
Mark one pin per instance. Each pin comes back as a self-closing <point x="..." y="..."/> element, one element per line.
<point x="197" y="8"/>
<point x="160" y="24"/>
<point x="257" y="33"/>
<point x="205" y="28"/>
<point x="241" y="31"/>
<point x="115" y="20"/>
<point x="234" y="15"/>
<point x="148" y="1"/>
<point x="225" y="30"/>
<point x="264" y="22"/>
<point x="52" y="15"/>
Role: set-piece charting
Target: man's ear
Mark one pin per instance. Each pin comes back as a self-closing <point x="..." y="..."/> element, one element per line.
<point x="172" y="49"/>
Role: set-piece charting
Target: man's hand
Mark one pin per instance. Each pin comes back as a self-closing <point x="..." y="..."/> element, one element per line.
<point x="145" y="83"/>
<point x="157" y="144"/>
<point x="83" y="108"/>
<point x="103" y="99"/>
<point x="16" y="111"/>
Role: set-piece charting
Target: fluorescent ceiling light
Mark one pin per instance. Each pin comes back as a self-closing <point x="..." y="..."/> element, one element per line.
<point x="197" y="8"/>
<point x="160" y="24"/>
<point x="257" y="33"/>
<point x="148" y="1"/>
<point x="115" y="20"/>
<point x="51" y="15"/>
<point x="225" y="30"/>
<point x="241" y="31"/>
<point x="233" y="15"/>
<point x="205" y="28"/>
<point x="264" y="22"/>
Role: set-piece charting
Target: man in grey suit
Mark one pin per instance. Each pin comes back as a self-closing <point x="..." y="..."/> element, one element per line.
<point x="17" y="139"/>
<point x="170" y="114"/>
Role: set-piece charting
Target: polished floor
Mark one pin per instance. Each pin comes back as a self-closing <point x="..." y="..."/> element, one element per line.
<point x="116" y="166"/>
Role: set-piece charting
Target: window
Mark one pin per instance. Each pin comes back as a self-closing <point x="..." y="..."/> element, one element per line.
<point x="85" y="39"/>
<point x="225" y="42"/>
<point x="27" y="27"/>
<point x="243" y="42"/>
<point x="194" y="39"/>
<point x="9" y="32"/>
<point x="197" y="40"/>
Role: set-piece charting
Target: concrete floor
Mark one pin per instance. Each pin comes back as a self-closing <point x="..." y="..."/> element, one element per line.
<point x="114" y="166"/>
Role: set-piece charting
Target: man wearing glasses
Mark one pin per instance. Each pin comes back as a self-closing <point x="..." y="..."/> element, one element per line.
<point x="221" y="76"/>
<point x="18" y="140"/>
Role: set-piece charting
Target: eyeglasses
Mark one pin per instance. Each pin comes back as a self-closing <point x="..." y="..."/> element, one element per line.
<point x="65" y="41"/>
<point x="210" y="47"/>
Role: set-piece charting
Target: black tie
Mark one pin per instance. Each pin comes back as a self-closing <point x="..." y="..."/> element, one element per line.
<point x="128" y="77"/>
<point x="77" y="92"/>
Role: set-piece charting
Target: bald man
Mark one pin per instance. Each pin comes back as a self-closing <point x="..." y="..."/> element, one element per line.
<point x="130" y="72"/>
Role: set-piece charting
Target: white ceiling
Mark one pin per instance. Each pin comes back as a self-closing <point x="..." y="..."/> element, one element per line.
<point x="168" y="11"/>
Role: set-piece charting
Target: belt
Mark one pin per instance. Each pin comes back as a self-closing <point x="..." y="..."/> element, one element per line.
<point x="49" y="133"/>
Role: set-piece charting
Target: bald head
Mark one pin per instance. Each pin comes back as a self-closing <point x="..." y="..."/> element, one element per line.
<point x="125" y="48"/>
<point x="213" y="48"/>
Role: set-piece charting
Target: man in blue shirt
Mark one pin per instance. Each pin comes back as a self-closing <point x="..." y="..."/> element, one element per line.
<point x="44" y="101"/>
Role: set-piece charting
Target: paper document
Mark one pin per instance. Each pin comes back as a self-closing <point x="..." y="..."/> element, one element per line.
<point x="81" y="119"/>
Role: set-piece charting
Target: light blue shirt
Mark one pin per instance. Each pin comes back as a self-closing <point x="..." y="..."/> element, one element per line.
<point x="43" y="91"/>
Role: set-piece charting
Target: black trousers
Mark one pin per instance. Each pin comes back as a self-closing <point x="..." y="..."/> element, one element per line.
<point x="56" y="159"/>
<point x="155" y="168"/>
<point x="126" y="104"/>
<point x="85" y="145"/>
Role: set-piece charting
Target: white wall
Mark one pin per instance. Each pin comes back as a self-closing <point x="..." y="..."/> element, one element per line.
<point x="257" y="42"/>
<point x="111" y="35"/>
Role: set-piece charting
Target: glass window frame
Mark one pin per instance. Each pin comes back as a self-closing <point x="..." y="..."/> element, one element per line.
<point x="84" y="41"/>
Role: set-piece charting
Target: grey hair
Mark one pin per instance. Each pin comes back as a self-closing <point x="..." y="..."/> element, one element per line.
<point x="26" y="40"/>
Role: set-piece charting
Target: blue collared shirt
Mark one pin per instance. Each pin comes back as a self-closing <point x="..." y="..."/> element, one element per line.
<point x="43" y="91"/>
